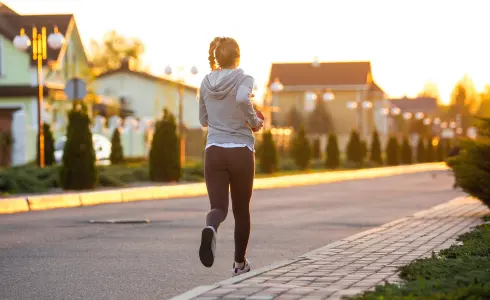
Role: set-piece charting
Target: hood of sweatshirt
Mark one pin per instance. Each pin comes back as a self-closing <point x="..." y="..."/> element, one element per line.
<point x="219" y="84"/>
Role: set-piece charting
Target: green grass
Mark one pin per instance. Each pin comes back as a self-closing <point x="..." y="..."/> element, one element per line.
<point x="459" y="272"/>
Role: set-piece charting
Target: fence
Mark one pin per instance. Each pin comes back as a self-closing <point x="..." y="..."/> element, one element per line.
<point x="135" y="135"/>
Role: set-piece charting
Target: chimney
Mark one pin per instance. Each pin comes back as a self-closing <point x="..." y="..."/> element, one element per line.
<point x="125" y="63"/>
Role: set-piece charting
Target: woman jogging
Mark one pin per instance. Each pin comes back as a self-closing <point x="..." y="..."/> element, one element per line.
<point x="229" y="165"/>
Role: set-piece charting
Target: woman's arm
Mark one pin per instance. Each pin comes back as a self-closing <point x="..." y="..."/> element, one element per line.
<point x="203" y="113"/>
<point x="245" y="104"/>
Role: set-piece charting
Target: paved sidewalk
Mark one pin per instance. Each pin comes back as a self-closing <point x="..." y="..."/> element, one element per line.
<point x="356" y="263"/>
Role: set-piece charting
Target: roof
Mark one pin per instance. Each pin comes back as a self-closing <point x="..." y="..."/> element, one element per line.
<point x="22" y="91"/>
<point x="413" y="105"/>
<point x="144" y="75"/>
<point x="11" y="23"/>
<point x="332" y="73"/>
<point x="4" y="9"/>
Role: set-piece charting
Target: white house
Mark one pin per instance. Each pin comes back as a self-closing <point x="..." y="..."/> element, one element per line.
<point x="145" y="96"/>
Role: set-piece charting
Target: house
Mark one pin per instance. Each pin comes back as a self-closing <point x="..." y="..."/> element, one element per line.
<point x="19" y="83"/>
<point x="145" y="96"/>
<point x="413" y="115"/>
<point x="425" y="105"/>
<point x="347" y="81"/>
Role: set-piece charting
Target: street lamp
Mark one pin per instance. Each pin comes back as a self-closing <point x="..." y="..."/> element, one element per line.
<point x="276" y="87"/>
<point x="390" y="113"/>
<point x="360" y="106"/>
<point x="168" y="71"/>
<point x="39" y="53"/>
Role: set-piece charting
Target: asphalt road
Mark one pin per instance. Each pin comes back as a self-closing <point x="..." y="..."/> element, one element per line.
<point x="59" y="255"/>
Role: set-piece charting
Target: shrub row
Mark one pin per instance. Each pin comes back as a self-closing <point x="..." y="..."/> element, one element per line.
<point x="459" y="272"/>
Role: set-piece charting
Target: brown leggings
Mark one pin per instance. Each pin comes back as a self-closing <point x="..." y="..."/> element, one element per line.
<point x="230" y="169"/>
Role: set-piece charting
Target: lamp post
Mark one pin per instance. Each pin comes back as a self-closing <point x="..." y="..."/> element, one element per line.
<point x="359" y="106"/>
<point x="390" y="114"/>
<point x="39" y="54"/>
<point x="276" y="87"/>
<point x="168" y="70"/>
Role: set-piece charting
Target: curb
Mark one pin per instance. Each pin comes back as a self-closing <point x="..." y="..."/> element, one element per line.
<point x="14" y="205"/>
<point x="67" y="200"/>
<point x="204" y="288"/>
<point x="193" y="293"/>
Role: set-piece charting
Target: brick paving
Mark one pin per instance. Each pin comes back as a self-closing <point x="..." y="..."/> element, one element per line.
<point x="357" y="263"/>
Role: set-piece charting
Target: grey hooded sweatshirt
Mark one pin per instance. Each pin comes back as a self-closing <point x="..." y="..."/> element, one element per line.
<point x="225" y="107"/>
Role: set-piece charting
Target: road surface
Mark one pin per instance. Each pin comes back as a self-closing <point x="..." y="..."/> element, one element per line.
<point x="59" y="255"/>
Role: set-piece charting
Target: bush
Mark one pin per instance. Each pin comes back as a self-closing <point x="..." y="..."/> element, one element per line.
<point x="354" y="149"/>
<point x="117" y="155"/>
<point x="22" y="180"/>
<point x="164" y="162"/>
<point x="300" y="150"/>
<point x="471" y="167"/>
<point x="406" y="152"/>
<point x="332" y="159"/>
<point x="48" y="146"/>
<point x="392" y="152"/>
<point x="430" y="151"/>
<point x="421" y="153"/>
<point x="376" y="149"/>
<point x="316" y="152"/>
<point x="459" y="272"/>
<point x="267" y="153"/>
<point x="78" y="170"/>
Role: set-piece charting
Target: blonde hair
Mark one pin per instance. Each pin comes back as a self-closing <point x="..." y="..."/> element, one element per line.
<point x="225" y="52"/>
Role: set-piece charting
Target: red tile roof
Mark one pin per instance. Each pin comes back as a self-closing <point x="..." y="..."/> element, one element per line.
<point x="335" y="73"/>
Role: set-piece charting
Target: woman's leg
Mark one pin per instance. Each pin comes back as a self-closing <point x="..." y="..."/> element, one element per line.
<point x="242" y="170"/>
<point x="217" y="182"/>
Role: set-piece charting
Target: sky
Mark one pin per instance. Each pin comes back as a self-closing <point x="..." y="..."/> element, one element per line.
<point x="408" y="42"/>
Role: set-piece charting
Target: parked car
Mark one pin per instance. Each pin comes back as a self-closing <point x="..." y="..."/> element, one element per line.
<point x="102" y="147"/>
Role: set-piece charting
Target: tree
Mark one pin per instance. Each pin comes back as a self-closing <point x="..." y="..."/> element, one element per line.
<point x="316" y="152"/>
<point x="364" y="150"/>
<point x="430" y="154"/>
<point x="430" y="90"/>
<point x="406" y="152"/>
<point x="78" y="171"/>
<point x="294" y="119"/>
<point x="464" y="95"/>
<point x="465" y="101"/>
<point x="301" y="151"/>
<point x="441" y="150"/>
<point x="319" y="121"/>
<point x="376" y="149"/>
<point x="108" y="54"/>
<point x="332" y="159"/>
<point x="268" y="154"/>
<point x="354" y="149"/>
<point x="392" y="152"/>
<point x="164" y="160"/>
<point x="470" y="166"/>
<point x="48" y="146"/>
<point x="421" y="155"/>
<point x="117" y="154"/>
